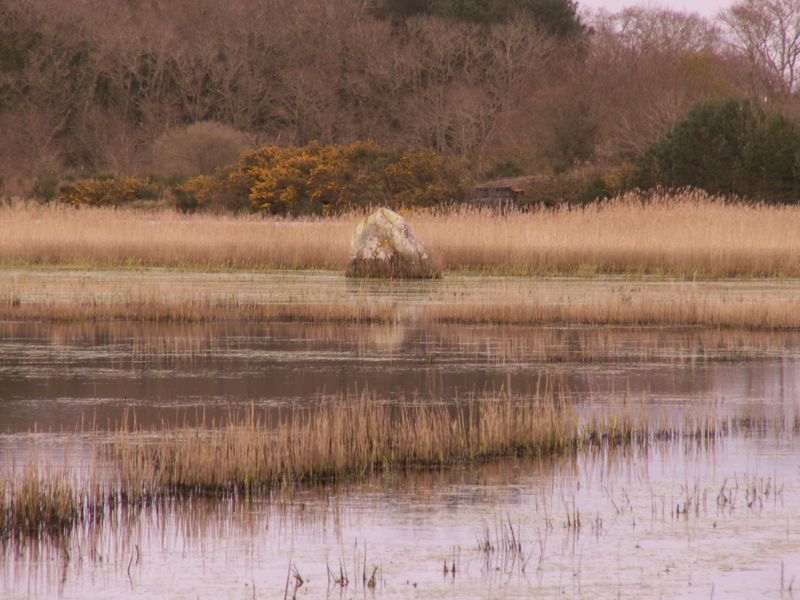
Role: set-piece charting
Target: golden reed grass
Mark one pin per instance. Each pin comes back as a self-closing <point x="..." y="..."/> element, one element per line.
<point x="341" y="438"/>
<point x="688" y="235"/>
<point x="183" y="310"/>
<point x="349" y="437"/>
<point x="39" y="502"/>
<point x="780" y="312"/>
<point x="693" y="311"/>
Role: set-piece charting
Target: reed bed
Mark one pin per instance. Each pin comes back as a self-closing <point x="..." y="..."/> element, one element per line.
<point x="782" y="313"/>
<point x="343" y="438"/>
<point x="197" y="310"/>
<point x="777" y="313"/>
<point x="686" y="235"/>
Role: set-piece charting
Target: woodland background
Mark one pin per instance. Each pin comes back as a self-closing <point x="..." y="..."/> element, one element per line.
<point x="584" y="105"/>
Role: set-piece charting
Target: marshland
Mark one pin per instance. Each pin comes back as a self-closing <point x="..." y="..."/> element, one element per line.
<point x="603" y="410"/>
<point x="592" y="389"/>
<point x="395" y="458"/>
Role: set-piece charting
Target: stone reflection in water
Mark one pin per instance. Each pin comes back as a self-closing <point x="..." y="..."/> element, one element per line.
<point x="641" y="522"/>
<point x="56" y="377"/>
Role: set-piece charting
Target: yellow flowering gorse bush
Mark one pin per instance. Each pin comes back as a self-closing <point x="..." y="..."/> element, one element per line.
<point x="320" y="180"/>
<point x="300" y="180"/>
<point x="110" y="191"/>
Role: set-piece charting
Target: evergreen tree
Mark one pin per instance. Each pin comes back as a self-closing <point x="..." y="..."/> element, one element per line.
<point x="558" y="17"/>
<point x="727" y="147"/>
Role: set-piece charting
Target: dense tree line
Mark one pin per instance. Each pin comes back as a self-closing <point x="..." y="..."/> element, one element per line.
<point x="95" y="87"/>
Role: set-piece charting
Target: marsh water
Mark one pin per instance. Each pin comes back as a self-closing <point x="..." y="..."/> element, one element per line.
<point x="682" y="518"/>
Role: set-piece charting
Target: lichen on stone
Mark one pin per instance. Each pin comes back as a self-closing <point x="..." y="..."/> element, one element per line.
<point x="384" y="246"/>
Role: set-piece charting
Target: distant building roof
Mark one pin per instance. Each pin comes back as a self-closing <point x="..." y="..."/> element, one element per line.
<point x="514" y="185"/>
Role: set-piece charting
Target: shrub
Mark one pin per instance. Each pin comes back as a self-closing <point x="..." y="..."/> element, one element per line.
<point x="321" y="180"/>
<point x="607" y="186"/>
<point x="45" y="186"/>
<point x="196" y="150"/>
<point x="727" y="148"/>
<point x="421" y="178"/>
<point x="196" y="193"/>
<point x="504" y="169"/>
<point x="107" y="191"/>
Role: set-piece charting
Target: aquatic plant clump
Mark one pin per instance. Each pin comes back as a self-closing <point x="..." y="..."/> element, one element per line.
<point x="347" y="437"/>
<point x="37" y="503"/>
<point x="344" y="438"/>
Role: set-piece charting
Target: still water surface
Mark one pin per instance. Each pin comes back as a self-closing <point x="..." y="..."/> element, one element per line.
<point x="676" y="520"/>
<point x="55" y="377"/>
<point x="652" y="524"/>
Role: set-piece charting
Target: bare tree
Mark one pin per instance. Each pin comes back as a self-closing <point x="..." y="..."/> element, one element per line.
<point x="647" y="67"/>
<point x="518" y="53"/>
<point x="660" y="30"/>
<point x="768" y="33"/>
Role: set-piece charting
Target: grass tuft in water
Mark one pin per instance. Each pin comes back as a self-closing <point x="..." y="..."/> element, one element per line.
<point x="342" y="439"/>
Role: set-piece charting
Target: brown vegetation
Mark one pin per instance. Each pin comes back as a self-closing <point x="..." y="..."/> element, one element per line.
<point x="185" y="310"/>
<point x="52" y="235"/>
<point x="169" y="297"/>
<point x="196" y="150"/>
<point x="697" y="311"/>
<point x="345" y="437"/>
<point x="39" y="502"/>
<point x="677" y="311"/>
<point x="686" y="236"/>
<point x="505" y="96"/>
<point x="342" y="438"/>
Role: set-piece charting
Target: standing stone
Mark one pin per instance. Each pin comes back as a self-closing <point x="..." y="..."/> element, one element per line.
<point x="383" y="246"/>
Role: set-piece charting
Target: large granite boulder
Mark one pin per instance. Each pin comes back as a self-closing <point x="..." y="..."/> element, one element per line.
<point x="383" y="246"/>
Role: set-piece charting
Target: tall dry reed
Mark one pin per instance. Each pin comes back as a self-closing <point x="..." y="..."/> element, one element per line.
<point x="687" y="235"/>
<point x="699" y="310"/>
<point x="780" y="313"/>
<point x="39" y="502"/>
<point x="342" y="438"/>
